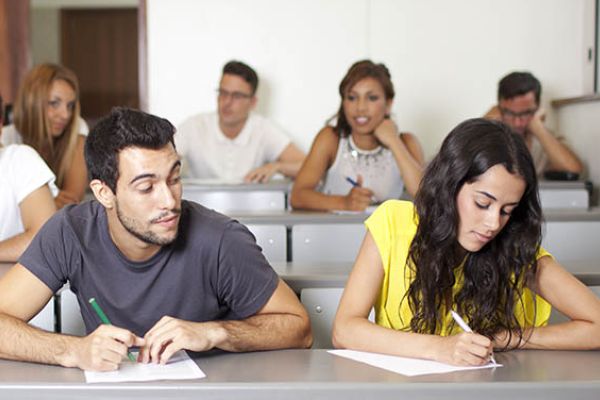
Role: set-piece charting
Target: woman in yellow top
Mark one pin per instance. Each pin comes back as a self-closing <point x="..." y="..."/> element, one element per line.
<point x="471" y="243"/>
<point x="46" y="117"/>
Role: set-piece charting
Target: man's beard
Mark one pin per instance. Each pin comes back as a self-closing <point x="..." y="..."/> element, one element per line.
<point x="148" y="236"/>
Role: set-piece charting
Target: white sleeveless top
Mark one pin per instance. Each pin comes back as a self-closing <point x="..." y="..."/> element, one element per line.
<point x="377" y="167"/>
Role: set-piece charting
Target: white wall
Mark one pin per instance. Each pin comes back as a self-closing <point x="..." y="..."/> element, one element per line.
<point x="445" y="56"/>
<point x="582" y="123"/>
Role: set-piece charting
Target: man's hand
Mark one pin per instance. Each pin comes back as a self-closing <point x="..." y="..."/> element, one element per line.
<point x="262" y="174"/>
<point x="169" y="335"/>
<point x="104" y="349"/>
<point x="536" y="124"/>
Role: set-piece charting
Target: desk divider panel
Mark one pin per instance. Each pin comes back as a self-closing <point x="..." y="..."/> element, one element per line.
<point x="326" y="242"/>
<point x="272" y="239"/>
<point x="228" y="201"/>
<point x="572" y="240"/>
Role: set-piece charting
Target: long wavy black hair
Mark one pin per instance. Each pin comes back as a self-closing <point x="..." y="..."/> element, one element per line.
<point x="494" y="277"/>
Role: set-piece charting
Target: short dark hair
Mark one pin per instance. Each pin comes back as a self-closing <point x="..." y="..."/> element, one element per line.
<point x="517" y="84"/>
<point x="120" y="129"/>
<point x="244" y="71"/>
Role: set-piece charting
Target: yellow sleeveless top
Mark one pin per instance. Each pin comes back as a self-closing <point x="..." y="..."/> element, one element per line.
<point x="393" y="226"/>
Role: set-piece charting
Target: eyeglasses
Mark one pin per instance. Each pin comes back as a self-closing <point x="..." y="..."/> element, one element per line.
<point x="514" y="115"/>
<point x="223" y="94"/>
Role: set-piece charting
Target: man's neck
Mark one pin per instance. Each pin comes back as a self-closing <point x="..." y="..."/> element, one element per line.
<point x="130" y="246"/>
<point x="232" y="131"/>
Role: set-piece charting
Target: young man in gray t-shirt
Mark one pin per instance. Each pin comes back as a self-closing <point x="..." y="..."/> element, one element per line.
<point x="169" y="274"/>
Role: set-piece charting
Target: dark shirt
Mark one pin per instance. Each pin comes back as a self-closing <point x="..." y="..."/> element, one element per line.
<point x="214" y="270"/>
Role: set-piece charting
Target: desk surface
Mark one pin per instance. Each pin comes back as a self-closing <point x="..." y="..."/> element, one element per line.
<point x="316" y="374"/>
<point x="218" y="186"/>
<point x="334" y="275"/>
<point x="296" y="217"/>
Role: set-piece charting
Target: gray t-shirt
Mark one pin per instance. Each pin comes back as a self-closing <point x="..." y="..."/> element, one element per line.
<point x="214" y="270"/>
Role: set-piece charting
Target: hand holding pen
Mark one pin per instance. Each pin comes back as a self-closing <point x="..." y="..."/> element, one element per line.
<point x="478" y="341"/>
<point x="359" y="198"/>
<point x="105" y="348"/>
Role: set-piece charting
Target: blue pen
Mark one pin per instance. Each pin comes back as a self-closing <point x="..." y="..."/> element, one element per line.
<point x="352" y="181"/>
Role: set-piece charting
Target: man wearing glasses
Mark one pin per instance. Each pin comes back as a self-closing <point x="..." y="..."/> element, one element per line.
<point x="235" y="144"/>
<point x="519" y="107"/>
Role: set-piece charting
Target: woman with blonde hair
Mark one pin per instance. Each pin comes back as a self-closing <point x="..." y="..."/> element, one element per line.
<point x="47" y="118"/>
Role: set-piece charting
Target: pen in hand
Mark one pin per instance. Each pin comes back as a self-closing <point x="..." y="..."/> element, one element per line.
<point x="106" y="321"/>
<point x="356" y="184"/>
<point x="461" y="322"/>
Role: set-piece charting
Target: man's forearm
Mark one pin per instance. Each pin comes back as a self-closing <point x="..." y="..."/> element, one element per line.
<point x="264" y="332"/>
<point x="23" y="342"/>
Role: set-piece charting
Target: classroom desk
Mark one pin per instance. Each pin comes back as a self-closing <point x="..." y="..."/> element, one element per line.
<point x="565" y="194"/>
<point x="334" y="275"/>
<point x="316" y="374"/>
<point x="569" y="234"/>
<point x="228" y="197"/>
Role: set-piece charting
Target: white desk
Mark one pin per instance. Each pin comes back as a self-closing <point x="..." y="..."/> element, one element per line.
<point x="316" y="374"/>
<point x="569" y="234"/>
<point x="564" y="195"/>
<point x="229" y="197"/>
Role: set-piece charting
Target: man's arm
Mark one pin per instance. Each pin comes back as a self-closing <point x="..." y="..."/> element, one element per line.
<point x="288" y="163"/>
<point x="560" y="157"/>
<point x="281" y="323"/>
<point x="23" y="295"/>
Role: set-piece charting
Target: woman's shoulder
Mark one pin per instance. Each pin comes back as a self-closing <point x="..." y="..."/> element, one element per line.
<point x="10" y="135"/>
<point x="22" y="154"/>
<point x="326" y="140"/>
<point x="394" y="212"/>
<point x="398" y="208"/>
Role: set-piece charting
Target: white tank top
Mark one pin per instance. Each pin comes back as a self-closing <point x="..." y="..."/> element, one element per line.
<point x="377" y="167"/>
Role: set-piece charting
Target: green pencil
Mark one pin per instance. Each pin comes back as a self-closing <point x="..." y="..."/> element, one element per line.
<point x="106" y="321"/>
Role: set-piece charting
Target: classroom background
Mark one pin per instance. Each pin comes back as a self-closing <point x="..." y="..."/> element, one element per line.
<point x="445" y="57"/>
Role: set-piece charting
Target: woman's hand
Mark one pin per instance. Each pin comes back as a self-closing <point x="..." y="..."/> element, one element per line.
<point x="465" y="349"/>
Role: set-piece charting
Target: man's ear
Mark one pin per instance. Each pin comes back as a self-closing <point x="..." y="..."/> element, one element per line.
<point x="103" y="193"/>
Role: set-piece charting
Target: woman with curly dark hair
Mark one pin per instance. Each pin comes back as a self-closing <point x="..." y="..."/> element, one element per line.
<point x="470" y="243"/>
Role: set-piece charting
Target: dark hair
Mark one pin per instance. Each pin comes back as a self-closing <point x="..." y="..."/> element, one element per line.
<point x="120" y="129"/>
<point x="495" y="276"/>
<point x="517" y="84"/>
<point x="244" y="71"/>
<point x="1" y="110"/>
<point x="357" y="72"/>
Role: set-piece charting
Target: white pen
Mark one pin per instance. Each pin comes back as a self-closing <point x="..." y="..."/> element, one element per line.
<point x="461" y="322"/>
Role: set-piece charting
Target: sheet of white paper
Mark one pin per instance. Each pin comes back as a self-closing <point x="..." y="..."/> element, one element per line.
<point x="368" y="211"/>
<point x="404" y="365"/>
<point x="180" y="366"/>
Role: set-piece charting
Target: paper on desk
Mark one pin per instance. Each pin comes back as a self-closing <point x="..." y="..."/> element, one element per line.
<point x="180" y="366"/>
<point x="404" y="365"/>
<point x="369" y="210"/>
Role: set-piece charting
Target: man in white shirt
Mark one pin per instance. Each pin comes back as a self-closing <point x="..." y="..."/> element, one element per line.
<point x="235" y="144"/>
<point x="519" y="107"/>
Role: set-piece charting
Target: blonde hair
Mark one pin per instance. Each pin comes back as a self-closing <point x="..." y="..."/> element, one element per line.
<point x="33" y="125"/>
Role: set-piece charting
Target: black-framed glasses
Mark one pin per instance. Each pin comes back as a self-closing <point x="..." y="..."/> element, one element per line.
<point x="223" y="94"/>
<point x="514" y="115"/>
